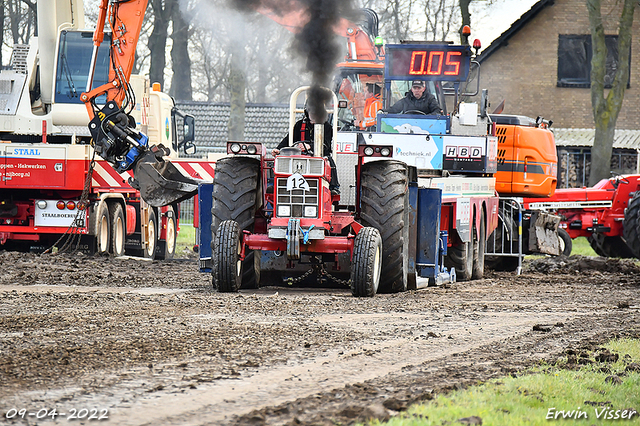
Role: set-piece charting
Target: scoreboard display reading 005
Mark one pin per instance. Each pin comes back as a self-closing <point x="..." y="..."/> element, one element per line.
<point x="428" y="61"/>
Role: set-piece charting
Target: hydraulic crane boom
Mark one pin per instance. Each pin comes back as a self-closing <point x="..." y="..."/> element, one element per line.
<point x="113" y="129"/>
<point x="362" y="45"/>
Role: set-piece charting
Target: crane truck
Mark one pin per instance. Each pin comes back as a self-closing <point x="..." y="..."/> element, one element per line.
<point x="68" y="159"/>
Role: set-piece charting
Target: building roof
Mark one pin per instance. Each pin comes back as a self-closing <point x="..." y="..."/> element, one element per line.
<point x="265" y="123"/>
<point x="503" y="40"/>
<point x="624" y="139"/>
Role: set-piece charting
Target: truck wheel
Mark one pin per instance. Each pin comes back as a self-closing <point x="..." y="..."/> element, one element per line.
<point x="479" y="250"/>
<point x="566" y="244"/>
<point x="103" y="229"/>
<point x="235" y="197"/>
<point x="118" y="229"/>
<point x="366" y="263"/>
<point x="460" y="257"/>
<point x="171" y="235"/>
<point x="631" y="225"/>
<point x="384" y="201"/>
<point x="152" y="231"/>
<point x="227" y="267"/>
<point x="610" y="246"/>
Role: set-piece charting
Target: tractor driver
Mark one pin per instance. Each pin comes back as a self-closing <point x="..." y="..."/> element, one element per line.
<point x="417" y="99"/>
<point x="303" y="137"/>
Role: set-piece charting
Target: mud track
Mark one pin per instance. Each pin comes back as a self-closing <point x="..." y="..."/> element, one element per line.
<point x="152" y="344"/>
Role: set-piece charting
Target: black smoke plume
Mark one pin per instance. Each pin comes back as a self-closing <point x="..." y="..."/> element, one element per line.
<point x="316" y="42"/>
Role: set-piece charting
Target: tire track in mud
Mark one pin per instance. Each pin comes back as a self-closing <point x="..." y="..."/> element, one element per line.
<point x="336" y="369"/>
<point x="151" y="342"/>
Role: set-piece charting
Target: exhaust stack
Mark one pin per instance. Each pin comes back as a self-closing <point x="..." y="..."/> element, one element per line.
<point x="318" y="140"/>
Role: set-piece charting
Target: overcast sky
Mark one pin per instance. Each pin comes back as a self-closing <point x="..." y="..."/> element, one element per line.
<point x="488" y="22"/>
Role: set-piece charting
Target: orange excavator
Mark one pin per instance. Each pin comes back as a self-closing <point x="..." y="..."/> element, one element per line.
<point x="112" y="126"/>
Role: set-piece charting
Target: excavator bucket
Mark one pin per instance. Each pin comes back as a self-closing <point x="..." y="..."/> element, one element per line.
<point x="160" y="182"/>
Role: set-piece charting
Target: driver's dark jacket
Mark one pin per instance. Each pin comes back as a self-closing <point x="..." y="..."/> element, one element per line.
<point x="427" y="104"/>
<point x="308" y="135"/>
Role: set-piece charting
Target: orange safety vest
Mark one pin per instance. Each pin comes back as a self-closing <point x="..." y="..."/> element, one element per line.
<point x="371" y="107"/>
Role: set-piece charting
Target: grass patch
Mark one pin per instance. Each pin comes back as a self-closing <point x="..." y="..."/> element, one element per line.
<point x="186" y="238"/>
<point x="582" y="247"/>
<point x="578" y="392"/>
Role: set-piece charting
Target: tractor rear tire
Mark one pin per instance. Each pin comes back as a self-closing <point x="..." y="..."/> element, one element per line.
<point x="235" y="197"/>
<point x="367" y="263"/>
<point x="384" y="201"/>
<point x="479" y="246"/>
<point x="631" y="225"/>
<point x="227" y="267"/>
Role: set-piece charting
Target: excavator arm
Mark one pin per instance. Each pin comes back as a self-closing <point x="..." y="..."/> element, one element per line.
<point x="363" y="42"/>
<point x="112" y="127"/>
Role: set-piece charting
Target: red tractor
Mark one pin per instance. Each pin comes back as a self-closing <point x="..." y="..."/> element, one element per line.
<point x="276" y="218"/>
<point x="607" y="214"/>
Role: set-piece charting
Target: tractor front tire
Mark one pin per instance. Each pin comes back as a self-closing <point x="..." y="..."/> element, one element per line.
<point x="367" y="263"/>
<point x="384" y="200"/>
<point x="227" y="266"/>
<point x="235" y="197"/>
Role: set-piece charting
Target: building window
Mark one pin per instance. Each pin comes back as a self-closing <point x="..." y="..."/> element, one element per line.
<point x="574" y="60"/>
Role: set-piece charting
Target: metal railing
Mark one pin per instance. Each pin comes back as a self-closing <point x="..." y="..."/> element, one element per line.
<point x="186" y="211"/>
<point x="505" y="243"/>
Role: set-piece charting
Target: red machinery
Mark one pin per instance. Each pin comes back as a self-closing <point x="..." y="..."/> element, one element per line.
<point x="606" y="214"/>
<point x="57" y="176"/>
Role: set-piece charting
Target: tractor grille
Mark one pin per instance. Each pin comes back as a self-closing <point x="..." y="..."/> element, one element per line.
<point x="304" y="166"/>
<point x="301" y="203"/>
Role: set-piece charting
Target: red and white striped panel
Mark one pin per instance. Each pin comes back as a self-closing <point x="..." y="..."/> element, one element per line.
<point x="104" y="176"/>
<point x="197" y="169"/>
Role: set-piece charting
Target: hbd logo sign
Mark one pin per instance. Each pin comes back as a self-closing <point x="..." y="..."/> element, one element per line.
<point x="463" y="152"/>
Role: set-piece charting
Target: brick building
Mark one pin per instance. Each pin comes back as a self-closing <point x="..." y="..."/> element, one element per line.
<point x="540" y="67"/>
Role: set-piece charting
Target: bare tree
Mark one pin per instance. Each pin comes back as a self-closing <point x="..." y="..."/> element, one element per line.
<point x="18" y="22"/>
<point x="161" y="11"/>
<point x="440" y="16"/>
<point x="466" y="19"/>
<point x="211" y="66"/>
<point x="237" y="84"/>
<point x="606" y="109"/>
<point x="181" y="63"/>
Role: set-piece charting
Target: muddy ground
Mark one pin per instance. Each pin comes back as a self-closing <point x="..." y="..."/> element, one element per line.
<point x="144" y="342"/>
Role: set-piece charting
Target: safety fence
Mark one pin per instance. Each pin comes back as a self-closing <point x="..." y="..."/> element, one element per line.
<point x="187" y="211"/>
<point x="503" y="250"/>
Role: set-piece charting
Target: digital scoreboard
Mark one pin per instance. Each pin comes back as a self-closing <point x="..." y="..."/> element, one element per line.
<point x="442" y="62"/>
